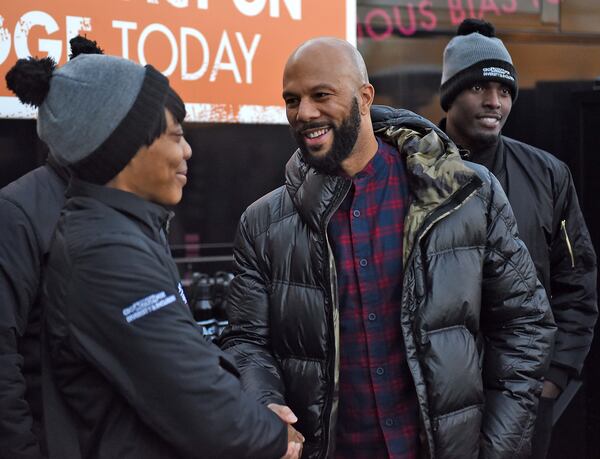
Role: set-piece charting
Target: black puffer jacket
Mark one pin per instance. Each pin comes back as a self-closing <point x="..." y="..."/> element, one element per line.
<point x="467" y="276"/>
<point x="541" y="192"/>
<point x="29" y="210"/>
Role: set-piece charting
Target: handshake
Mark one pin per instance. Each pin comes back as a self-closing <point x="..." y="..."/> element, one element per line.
<point x="295" y="438"/>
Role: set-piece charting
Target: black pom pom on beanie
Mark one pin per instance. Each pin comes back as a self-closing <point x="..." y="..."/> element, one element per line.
<point x="30" y="78"/>
<point x="474" y="55"/>
<point x="83" y="45"/>
<point x="469" y="26"/>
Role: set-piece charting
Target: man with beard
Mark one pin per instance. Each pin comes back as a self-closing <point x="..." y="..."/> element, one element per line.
<point x="367" y="284"/>
<point x="479" y="86"/>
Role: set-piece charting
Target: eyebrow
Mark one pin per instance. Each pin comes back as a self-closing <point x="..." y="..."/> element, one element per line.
<point x="323" y="87"/>
<point x="317" y="88"/>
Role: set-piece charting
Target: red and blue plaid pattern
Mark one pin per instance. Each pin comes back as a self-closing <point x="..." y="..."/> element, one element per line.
<point x="378" y="415"/>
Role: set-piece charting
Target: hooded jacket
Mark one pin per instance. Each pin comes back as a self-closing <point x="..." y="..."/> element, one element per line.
<point x="476" y="322"/>
<point x="29" y="210"/>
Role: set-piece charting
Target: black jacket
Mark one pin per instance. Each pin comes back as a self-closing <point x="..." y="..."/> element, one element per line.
<point x="468" y="279"/>
<point x="541" y="192"/>
<point x="128" y="359"/>
<point x="29" y="210"/>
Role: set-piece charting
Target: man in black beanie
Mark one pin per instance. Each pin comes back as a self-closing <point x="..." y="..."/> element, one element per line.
<point x="126" y="371"/>
<point x="479" y="86"/>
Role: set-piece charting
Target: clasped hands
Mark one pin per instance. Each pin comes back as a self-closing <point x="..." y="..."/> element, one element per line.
<point x="295" y="438"/>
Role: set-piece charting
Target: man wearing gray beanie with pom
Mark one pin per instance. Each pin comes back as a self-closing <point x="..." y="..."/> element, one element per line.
<point x="479" y="87"/>
<point x="126" y="371"/>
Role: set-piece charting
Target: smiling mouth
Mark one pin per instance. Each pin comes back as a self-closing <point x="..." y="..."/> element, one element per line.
<point x="182" y="177"/>
<point x="495" y="116"/>
<point x="316" y="133"/>
<point x="491" y="120"/>
<point x="316" y="138"/>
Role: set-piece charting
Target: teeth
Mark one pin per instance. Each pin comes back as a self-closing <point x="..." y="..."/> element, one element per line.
<point x="315" y="134"/>
<point x="490" y="120"/>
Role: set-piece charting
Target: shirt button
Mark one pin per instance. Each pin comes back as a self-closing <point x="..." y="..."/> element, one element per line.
<point x="356" y="213"/>
<point x="363" y="262"/>
<point x="372" y="316"/>
<point x="379" y="371"/>
<point x="389" y="422"/>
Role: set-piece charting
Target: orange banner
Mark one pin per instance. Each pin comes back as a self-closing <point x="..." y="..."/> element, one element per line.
<point x="224" y="57"/>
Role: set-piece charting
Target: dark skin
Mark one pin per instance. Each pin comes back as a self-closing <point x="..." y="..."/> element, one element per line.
<point x="474" y="121"/>
<point x="320" y="81"/>
<point x="158" y="172"/>
<point x="477" y="115"/>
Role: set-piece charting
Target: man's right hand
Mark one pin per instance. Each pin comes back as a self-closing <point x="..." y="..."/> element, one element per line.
<point x="295" y="438"/>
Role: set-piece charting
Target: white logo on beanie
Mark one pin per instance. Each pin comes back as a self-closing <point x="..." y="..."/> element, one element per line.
<point x="497" y="72"/>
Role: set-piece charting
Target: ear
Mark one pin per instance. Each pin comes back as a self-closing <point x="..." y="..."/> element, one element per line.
<point x="367" y="94"/>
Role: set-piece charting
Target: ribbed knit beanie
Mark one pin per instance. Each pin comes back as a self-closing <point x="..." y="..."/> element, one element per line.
<point x="95" y="111"/>
<point x="475" y="54"/>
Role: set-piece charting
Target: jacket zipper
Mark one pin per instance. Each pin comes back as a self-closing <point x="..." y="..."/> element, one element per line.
<point x="456" y="202"/>
<point x="563" y="225"/>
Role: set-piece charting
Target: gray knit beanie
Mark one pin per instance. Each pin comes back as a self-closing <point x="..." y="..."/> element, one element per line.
<point x="95" y="111"/>
<point x="475" y="54"/>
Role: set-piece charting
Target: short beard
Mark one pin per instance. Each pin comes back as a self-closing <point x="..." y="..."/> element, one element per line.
<point x="344" y="139"/>
<point x="484" y="141"/>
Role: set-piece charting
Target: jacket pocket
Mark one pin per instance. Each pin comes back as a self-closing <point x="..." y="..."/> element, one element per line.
<point x="456" y="434"/>
<point x="451" y="366"/>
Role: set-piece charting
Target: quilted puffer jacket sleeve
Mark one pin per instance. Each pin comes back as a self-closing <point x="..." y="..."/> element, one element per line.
<point x="247" y="336"/>
<point x="518" y="329"/>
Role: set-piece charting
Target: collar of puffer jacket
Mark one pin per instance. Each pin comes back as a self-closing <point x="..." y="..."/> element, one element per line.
<point x="434" y="167"/>
<point x="312" y="192"/>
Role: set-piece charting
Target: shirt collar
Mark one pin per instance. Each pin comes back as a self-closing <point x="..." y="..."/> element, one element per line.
<point x="378" y="164"/>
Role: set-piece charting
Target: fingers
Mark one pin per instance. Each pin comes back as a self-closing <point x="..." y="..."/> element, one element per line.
<point x="550" y="390"/>
<point x="294" y="435"/>
<point x="295" y="438"/>
<point x="294" y="451"/>
<point x="284" y="413"/>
